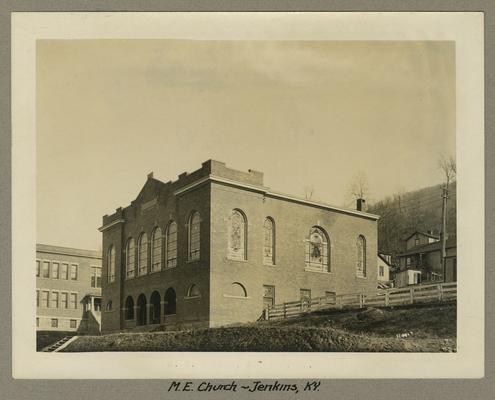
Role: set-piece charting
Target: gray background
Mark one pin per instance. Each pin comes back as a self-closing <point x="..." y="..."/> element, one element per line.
<point x="157" y="389"/>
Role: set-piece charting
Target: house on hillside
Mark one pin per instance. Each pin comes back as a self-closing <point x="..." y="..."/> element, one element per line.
<point x="216" y="247"/>
<point x="68" y="289"/>
<point x="427" y="258"/>
<point x="384" y="266"/>
<point x="419" y="238"/>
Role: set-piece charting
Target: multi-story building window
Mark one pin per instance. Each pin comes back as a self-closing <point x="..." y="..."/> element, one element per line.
<point x="156" y="250"/>
<point x="194" y="236"/>
<point x="237" y="235"/>
<point x="143" y="254"/>
<point x="54" y="298"/>
<point x="171" y="242"/>
<point x="46" y="269"/>
<point x="37" y="298"/>
<point x="130" y="258"/>
<point x="96" y="277"/>
<point x="361" y="256"/>
<point x="55" y="270"/>
<point x="318" y="250"/>
<point x="269" y="241"/>
<point x="38" y="268"/>
<point x="54" y="323"/>
<point x="73" y="324"/>
<point x="65" y="271"/>
<point x="45" y="298"/>
<point x="381" y="271"/>
<point x="111" y="264"/>
<point x="73" y="272"/>
<point x="63" y="299"/>
<point x="73" y="300"/>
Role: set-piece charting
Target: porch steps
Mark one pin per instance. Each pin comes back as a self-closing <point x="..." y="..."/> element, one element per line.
<point x="57" y="346"/>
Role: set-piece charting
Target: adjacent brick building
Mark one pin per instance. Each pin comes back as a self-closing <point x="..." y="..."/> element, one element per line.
<point x="68" y="289"/>
<point x="216" y="246"/>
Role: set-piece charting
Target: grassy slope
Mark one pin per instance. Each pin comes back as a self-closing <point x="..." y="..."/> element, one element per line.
<point x="433" y="327"/>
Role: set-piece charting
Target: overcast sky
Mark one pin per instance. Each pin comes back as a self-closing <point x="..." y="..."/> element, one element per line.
<point x="305" y="113"/>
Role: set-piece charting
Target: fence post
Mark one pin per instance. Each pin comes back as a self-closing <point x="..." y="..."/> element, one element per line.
<point x="339" y="302"/>
<point x="267" y="314"/>
<point x="387" y="298"/>
<point x="411" y="292"/>
<point x="440" y="292"/>
<point x="360" y="297"/>
<point x="363" y="300"/>
<point x="285" y="310"/>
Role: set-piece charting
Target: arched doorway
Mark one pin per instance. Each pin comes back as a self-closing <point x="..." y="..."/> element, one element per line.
<point x="170" y="302"/>
<point x="155" y="308"/>
<point x="129" y="308"/>
<point x="141" y="311"/>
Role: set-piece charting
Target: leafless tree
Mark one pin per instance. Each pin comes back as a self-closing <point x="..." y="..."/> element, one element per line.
<point x="449" y="168"/>
<point x="359" y="188"/>
<point x="308" y="192"/>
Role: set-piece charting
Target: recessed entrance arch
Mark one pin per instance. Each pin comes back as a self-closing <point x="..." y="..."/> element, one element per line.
<point x="155" y="308"/>
<point x="170" y="301"/>
<point x="141" y="311"/>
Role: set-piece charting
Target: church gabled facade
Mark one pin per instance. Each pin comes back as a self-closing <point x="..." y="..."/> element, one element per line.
<point x="216" y="247"/>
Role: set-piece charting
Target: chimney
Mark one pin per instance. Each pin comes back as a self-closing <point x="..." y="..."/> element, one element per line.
<point x="360" y="204"/>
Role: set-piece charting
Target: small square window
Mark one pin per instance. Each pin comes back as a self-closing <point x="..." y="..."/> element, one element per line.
<point x="73" y="324"/>
<point x="54" y="323"/>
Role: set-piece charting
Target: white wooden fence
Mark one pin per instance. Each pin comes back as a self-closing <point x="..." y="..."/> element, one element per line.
<point x="383" y="298"/>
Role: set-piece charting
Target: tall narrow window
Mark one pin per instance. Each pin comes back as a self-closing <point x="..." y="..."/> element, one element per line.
<point x="73" y="300"/>
<point x="111" y="264"/>
<point x="237" y="236"/>
<point x="361" y="256"/>
<point x="63" y="300"/>
<point x="194" y="236"/>
<point x="156" y="250"/>
<point x="96" y="277"/>
<point x="54" y="298"/>
<point x="55" y="270"/>
<point x="73" y="272"/>
<point x="38" y="268"/>
<point x="46" y="269"/>
<point x="143" y="254"/>
<point x="269" y="241"/>
<point x="37" y="298"/>
<point x="130" y="258"/>
<point x="45" y="299"/>
<point x="65" y="271"/>
<point x="318" y="250"/>
<point x="171" y="245"/>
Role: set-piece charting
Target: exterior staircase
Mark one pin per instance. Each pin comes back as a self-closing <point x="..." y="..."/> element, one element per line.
<point x="59" y="345"/>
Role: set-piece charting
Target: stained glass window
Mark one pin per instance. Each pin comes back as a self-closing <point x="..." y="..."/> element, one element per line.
<point x="317" y="250"/>
<point x="172" y="245"/>
<point x="194" y="236"/>
<point x="269" y="241"/>
<point x="130" y="258"/>
<point x="361" y="256"/>
<point x="143" y="254"/>
<point x="156" y="252"/>
<point x="237" y="236"/>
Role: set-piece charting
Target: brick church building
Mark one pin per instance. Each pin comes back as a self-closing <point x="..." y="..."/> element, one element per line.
<point x="216" y="247"/>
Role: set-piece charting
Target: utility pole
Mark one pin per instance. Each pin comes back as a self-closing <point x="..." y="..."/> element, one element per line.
<point x="445" y="196"/>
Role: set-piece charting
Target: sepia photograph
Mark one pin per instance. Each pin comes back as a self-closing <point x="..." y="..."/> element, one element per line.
<point x="247" y="195"/>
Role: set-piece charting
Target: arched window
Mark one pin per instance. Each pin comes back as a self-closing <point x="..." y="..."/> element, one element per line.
<point x="155" y="309"/>
<point x="130" y="258"/>
<point x="361" y="256"/>
<point x="194" y="236"/>
<point x="156" y="250"/>
<point x="237" y="235"/>
<point x="237" y="290"/>
<point x="111" y="264"/>
<point x="129" y="308"/>
<point x="143" y="254"/>
<point x="170" y="301"/>
<point x="171" y="241"/>
<point x="269" y="241"/>
<point x="318" y="250"/>
<point x="141" y="309"/>
<point x="193" y="291"/>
